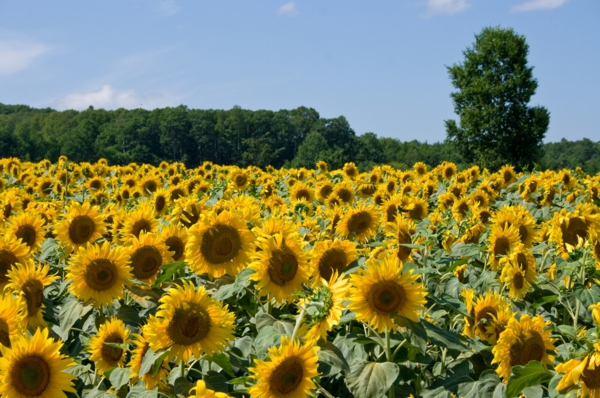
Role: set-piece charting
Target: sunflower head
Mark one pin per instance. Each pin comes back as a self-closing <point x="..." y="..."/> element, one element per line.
<point x="147" y="254"/>
<point x="330" y="257"/>
<point x="82" y="224"/>
<point x="28" y="227"/>
<point x="12" y="251"/>
<point x="104" y="355"/>
<point x="360" y="223"/>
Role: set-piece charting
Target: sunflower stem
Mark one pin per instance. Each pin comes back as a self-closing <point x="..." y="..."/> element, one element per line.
<point x="398" y="349"/>
<point x="389" y="357"/>
<point x="298" y="323"/>
<point x="444" y="352"/>
<point x="182" y="368"/>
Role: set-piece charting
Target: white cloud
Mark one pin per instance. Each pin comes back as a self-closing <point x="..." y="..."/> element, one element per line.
<point x="532" y="5"/>
<point x="16" y="55"/>
<point x="110" y="98"/>
<point x="288" y="9"/>
<point x="446" y="7"/>
<point x="167" y="7"/>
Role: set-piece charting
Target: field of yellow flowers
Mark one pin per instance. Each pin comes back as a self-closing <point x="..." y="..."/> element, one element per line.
<point x="140" y="281"/>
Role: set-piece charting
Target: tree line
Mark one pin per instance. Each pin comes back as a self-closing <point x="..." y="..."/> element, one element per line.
<point x="285" y="138"/>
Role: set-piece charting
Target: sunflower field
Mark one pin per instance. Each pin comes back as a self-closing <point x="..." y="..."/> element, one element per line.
<point x="141" y="281"/>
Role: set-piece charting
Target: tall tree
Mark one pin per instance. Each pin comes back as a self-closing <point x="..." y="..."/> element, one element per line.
<point x="494" y="86"/>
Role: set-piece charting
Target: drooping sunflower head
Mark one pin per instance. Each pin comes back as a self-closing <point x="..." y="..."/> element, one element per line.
<point x="98" y="273"/>
<point x="382" y="295"/>
<point x="219" y="244"/>
<point x="104" y="355"/>
<point x="12" y="319"/>
<point x="584" y="372"/>
<point x="34" y="367"/>
<point x="330" y="257"/>
<point x="175" y="237"/>
<point x="147" y="254"/>
<point x="281" y="266"/>
<point x="502" y="241"/>
<point x="28" y="227"/>
<point x="361" y="223"/>
<point x="523" y="341"/>
<point x="190" y="323"/>
<point x="485" y="311"/>
<point x="12" y="251"/>
<point x="82" y="224"/>
<point x="288" y="373"/>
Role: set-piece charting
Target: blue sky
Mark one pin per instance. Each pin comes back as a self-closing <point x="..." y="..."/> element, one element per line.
<point x="379" y="63"/>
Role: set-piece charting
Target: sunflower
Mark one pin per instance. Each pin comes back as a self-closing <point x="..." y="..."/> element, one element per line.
<point x="473" y="234"/>
<point x="160" y="201"/>
<point x="28" y="282"/>
<point x="586" y="372"/>
<point x="104" y="355"/>
<point x="281" y="266"/>
<point x="572" y="229"/>
<point x="416" y="208"/>
<point x="98" y="273"/>
<point x="344" y="192"/>
<point x="390" y="207"/>
<point x="330" y="257"/>
<point x="501" y="242"/>
<point x="448" y="169"/>
<point x="519" y="272"/>
<point x="322" y="166"/>
<point x="460" y="208"/>
<point x="366" y="190"/>
<point x="190" y="322"/>
<point x="484" y="310"/>
<point x="446" y="200"/>
<point x="382" y="295"/>
<point x="288" y="373"/>
<point x="350" y="170"/>
<point x="361" y="223"/>
<point x="12" y="319"/>
<point x="523" y="341"/>
<point x="140" y="219"/>
<point x="149" y="184"/>
<point x="135" y="364"/>
<point x="301" y="191"/>
<point x="508" y="175"/>
<point x="201" y="391"/>
<point x="329" y="297"/>
<point x="400" y="232"/>
<point x="34" y="367"/>
<point x="519" y="217"/>
<point x="175" y="237"/>
<point x="324" y="189"/>
<point x="420" y="168"/>
<point x="273" y="225"/>
<point x="28" y="227"/>
<point x="147" y="254"/>
<point x="12" y="251"/>
<point x="82" y="224"/>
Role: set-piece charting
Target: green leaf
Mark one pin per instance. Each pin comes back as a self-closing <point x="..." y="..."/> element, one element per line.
<point x="370" y="379"/>
<point x="465" y="250"/>
<point x="237" y="288"/>
<point x="332" y="355"/>
<point x="139" y="391"/>
<point x="167" y="271"/>
<point x="121" y="346"/>
<point x="119" y="377"/>
<point x="70" y="312"/>
<point x="587" y="296"/>
<point x="444" y="338"/>
<point x="152" y="357"/>
<point x="222" y="360"/>
<point x="534" y="374"/>
<point x="482" y="388"/>
<point x="544" y="300"/>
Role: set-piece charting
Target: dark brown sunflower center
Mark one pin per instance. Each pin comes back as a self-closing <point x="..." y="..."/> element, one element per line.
<point x="326" y="190"/>
<point x="387" y="296"/>
<point x="30" y="375"/>
<point x="462" y="208"/>
<point x="529" y="347"/>
<point x="518" y="280"/>
<point x="501" y="246"/>
<point x="332" y="260"/>
<point x="522" y="262"/>
<point x="7" y="210"/>
<point x="283" y="266"/>
<point x="286" y="377"/>
<point x="27" y="234"/>
<point x="220" y="244"/>
<point x="344" y="194"/>
<point x="188" y="219"/>
<point x="34" y="295"/>
<point x="240" y="180"/>
<point x="448" y="172"/>
<point x="139" y="226"/>
<point x="160" y="203"/>
<point x="403" y="251"/>
<point x="597" y="249"/>
<point x="146" y="262"/>
<point x="177" y="193"/>
<point x="189" y="325"/>
<point x="81" y="229"/>
<point x="418" y="211"/>
<point x="576" y="229"/>
<point x="391" y="212"/>
<point x="175" y="245"/>
<point x="96" y="184"/>
<point x="46" y="187"/>
<point x="4" y="334"/>
<point x="303" y="194"/>
<point x="110" y="354"/>
<point x="487" y="313"/>
<point x="150" y="186"/>
<point x="359" y="222"/>
<point x="591" y="377"/>
<point x="7" y="260"/>
<point x="101" y="274"/>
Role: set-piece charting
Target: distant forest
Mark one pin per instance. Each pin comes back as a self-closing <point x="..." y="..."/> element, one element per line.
<point x="284" y="138"/>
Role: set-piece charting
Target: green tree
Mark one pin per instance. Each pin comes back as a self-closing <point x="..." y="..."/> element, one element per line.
<point x="494" y="86"/>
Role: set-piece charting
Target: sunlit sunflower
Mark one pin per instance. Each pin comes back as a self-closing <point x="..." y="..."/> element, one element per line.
<point x="246" y="207"/>
<point x="141" y="219"/>
<point x="361" y="223"/>
<point x="501" y="242"/>
<point x="219" y="244"/>
<point x="523" y="341"/>
<point x="98" y="273"/>
<point x="519" y="272"/>
<point x="28" y="227"/>
<point x="281" y="266"/>
<point x="520" y="218"/>
<point x="447" y="169"/>
<point x="201" y="391"/>
<point x="12" y="251"/>
<point x="473" y="234"/>
<point x="240" y="179"/>
<point x="382" y="294"/>
<point x="324" y="189"/>
<point x="416" y="208"/>
<point x="573" y="229"/>
<point x="273" y="225"/>
<point x="135" y="364"/>
<point x="301" y="191"/>
<point x="446" y="200"/>
<point x="585" y="373"/>
<point x="35" y="367"/>
<point x="329" y="257"/>
<point x="190" y="322"/>
<point x="148" y="184"/>
<point x="366" y="190"/>
<point x="288" y="372"/>
<point x="485" y="310"/>
<point x="329" y="296"/>
<point x="160" y="201"/>
<point x="460" y="208"/>
<point x="344" y="192"/>
<point x="350" y="170"/>
<point x="508" y="175"/>
<point x="187" y="211"/>
<point x="400" y="232"/>
<point x="147" y="254"/>
<point x="390" y="207"/>
<point x="104" y="355"/>
<point x="82" y="224"/>
<point x="420" y="168"/>
<point x="28" y="282"/>
<point x="175" y="237"/>
<point x="12" y="319"/>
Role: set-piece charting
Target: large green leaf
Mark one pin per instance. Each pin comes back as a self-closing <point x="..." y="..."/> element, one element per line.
<point x="70" y="312"/>
<point x="482" y="388"/>
<point x="167" y="271"/>
<point x="139" y="391"/>
<point x="533" y="374"/>
<point x="371" y="379"/>
<point x="444" y="338"/>
<point x="119" y="377"/>
<point x="331" y="355"/>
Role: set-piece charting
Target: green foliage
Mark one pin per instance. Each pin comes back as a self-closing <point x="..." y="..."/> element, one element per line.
<point x="494" y="86"/>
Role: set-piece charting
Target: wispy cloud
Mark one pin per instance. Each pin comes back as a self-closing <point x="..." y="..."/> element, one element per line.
<point x="109" y="97"/>
<point x="533" y="5"/>
<point x="288" y="9"/>
<point x="17" y="54"/>
<point x="445" y="7"/>
<point x="167" y="7"/>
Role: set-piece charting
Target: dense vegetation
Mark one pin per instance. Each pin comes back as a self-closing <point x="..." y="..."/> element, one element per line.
<point x="235" y="137"/>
